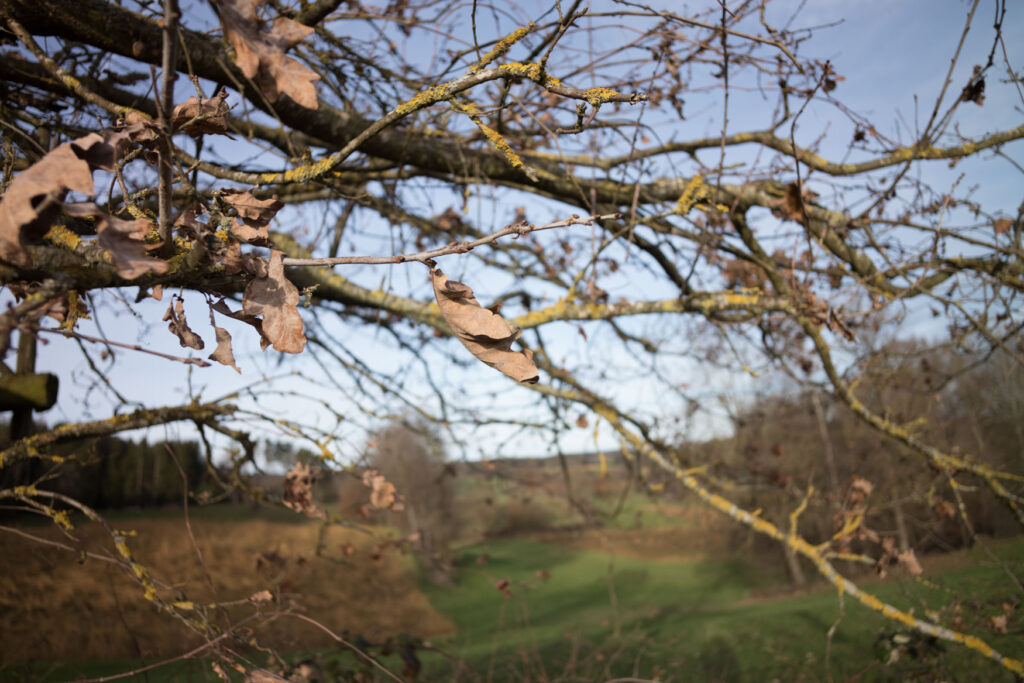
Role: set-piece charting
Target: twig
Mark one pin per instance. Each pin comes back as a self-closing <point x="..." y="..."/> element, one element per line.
<point x="347" y="644"/>
<point x="187" y="655"/>
<point x="710" y="27"/>
<point x="517" y="229"/>
<point x="132" y="347"/>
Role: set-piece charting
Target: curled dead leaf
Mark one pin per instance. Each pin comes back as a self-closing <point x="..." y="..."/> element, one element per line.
<point x="792" y="206"/>
<point x="221" y="307"/>
<point x="206" y="116"/>
<point x="254" y="212"/>
<point x="383" y="495"/>
<point x="179" y="327"/>
<point x="260" y="52"/>
<point x="909" y="560"/>
<point x="298" y="491"/>
<point x="123" y="241"/>
<point x="276" y="299"/>
<point x="860" y="488"/>
<point x="261" y="596"/>
<point x="35" y="197"/>
<point x="483" y="332"/>
<point x="223" y="354"/>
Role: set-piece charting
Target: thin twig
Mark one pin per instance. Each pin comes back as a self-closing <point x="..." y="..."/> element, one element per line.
<point x="347" y="644"/>
<point x="517" y="229"/>
<point x="133" y="347"/>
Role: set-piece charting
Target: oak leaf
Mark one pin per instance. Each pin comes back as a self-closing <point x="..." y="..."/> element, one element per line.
<point x="123" y="240"/>
<point x="206" y="116"/>
<point x="483" y="332"/>
<point x="35" y="197"/>
<point x="259" y="52"/>
<point x="255" y="215"/>
<point x="298" y="491"/>
<point x="276" y="299"/>
<point x="383" y="495"/>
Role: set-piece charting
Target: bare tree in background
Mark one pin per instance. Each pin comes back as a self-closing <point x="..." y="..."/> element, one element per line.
<point x="413" y="460"/>
<point x="245" y="160"/>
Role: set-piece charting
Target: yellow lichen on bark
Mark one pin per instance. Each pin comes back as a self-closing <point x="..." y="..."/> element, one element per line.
<point x="502" y="46"/>
<point x="694" y="191"/>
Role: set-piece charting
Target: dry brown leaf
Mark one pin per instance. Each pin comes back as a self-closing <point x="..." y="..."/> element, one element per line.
<point x="253" y="212"/>
<point x="298" y="491"/>
<point x="998" y="624"/>
<point x="35" y="197"/>
<point x="223" y="353"/>
<point x="123" y="240"/>
<point x="207" y="116"/>
<point x="221" y="307"/>
<point x="219" y="670"/>
<point x="1002" y="225"/>
<point x="226" y="253"/>
<point x="276" y="299"/>
<point x="909" y="560"/>
<point x="261" y="596"/>
<point x="383" y="495"/>
<point x="179" y="327"/>
<point x="945" y="509"/>
<point x="259" y="52"/>
<point x="791" y="207"/>
<point x="861" y="486"/>
<point x="484" y="333"/>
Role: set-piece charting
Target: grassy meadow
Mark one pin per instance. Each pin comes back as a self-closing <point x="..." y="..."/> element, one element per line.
<point x="656" y="593"/>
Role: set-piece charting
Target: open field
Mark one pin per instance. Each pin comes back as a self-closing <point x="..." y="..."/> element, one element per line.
<point x="572" y="611"/>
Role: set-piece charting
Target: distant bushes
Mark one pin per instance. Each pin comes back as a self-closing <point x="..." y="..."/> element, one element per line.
<point x="521" y="515"/>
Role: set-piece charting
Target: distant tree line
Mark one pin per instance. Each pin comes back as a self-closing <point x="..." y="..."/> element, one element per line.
<point x="109" y="472"/>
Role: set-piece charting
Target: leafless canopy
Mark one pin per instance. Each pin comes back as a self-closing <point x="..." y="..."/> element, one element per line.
<point x="654" y="201"/>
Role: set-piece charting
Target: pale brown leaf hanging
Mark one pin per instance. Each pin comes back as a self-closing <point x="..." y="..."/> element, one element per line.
<point x="383" y="495"/>
<point x="260" y="52"/>
<point x="298" y="491"/>
<point x="221" y="307"/>
<point x="35" y="197"/>
<point x="276" y="299"/>
<point x="179" y="326"/>
<point x="483" y="332"/>
<point x="223" y="354"/>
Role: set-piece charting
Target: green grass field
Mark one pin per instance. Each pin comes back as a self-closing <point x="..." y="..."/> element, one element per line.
<point x="695" y="620"/>
<point x="578" y="614"/>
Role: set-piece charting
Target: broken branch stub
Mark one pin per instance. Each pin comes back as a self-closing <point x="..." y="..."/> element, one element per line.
<point x="483" y="332"/>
